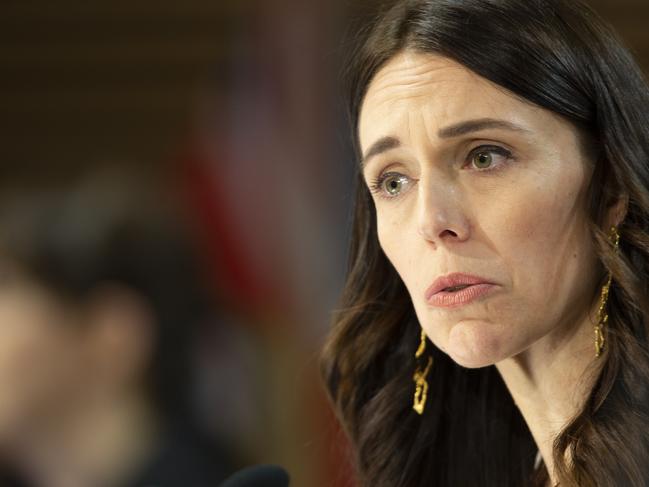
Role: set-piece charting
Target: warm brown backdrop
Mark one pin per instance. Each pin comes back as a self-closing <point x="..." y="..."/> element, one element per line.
<point x="82" y="80"/>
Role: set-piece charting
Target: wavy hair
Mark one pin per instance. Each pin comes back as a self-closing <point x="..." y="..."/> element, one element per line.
<point x="558" y="55"/>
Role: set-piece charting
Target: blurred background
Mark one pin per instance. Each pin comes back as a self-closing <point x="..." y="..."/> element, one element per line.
<point x="175" y="191"/>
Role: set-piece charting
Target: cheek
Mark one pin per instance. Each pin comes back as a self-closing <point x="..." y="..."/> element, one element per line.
<point x="395" y="238"/>
<point x="546" y="253"/>
<point x="545" y="241"/>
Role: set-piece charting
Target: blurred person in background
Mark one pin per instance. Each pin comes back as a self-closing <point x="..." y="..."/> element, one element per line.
<point x="100" y="302"/>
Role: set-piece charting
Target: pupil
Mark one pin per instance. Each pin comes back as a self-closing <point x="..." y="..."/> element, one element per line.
<point x="484" y="159"/>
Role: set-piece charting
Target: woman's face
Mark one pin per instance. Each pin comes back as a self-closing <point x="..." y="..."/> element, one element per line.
<point x="467" y="178"/>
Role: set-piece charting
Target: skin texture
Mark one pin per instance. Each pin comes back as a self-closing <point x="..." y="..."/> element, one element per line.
<point x="519" y="222"/>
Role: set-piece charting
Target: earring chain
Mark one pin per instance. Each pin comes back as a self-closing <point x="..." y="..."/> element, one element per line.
<point x="602" y="315"/>
<point x="421" y="385"/>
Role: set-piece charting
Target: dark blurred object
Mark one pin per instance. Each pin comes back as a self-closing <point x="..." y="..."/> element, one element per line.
<point x="259" y="476"/>
<point x="186" y="458"/>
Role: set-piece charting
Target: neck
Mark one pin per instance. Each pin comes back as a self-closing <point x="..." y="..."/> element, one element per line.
<point x="551" y="381"/>
<point x="100" y="444"/>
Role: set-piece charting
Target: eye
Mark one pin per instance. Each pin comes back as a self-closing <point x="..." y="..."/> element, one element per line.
<point x="390" y="185"/>
<point x="486" y="157"/>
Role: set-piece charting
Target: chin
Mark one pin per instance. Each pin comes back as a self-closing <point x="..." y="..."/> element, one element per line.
<point x="471" y="361"/>
<point x="474" y="345"/>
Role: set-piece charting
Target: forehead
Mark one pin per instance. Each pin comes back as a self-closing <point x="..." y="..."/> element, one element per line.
<point x="415" y="89"/>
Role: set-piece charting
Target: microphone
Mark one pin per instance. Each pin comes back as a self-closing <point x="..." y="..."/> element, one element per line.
<point x="258" y="476"/>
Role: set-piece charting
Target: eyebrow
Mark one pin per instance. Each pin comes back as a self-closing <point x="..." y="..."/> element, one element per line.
<point x="470" y="126"/>
<point x="385" y="144"/>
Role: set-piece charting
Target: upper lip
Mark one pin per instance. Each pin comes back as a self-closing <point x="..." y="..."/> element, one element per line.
<point x="452" y="280"/>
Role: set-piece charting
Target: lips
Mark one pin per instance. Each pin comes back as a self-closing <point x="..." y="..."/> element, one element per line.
<point x="456" y="289"/>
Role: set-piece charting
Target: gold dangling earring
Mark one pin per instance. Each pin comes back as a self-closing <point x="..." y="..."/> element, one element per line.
<point x="602" y="315"/>
<point x="421" y="386"/>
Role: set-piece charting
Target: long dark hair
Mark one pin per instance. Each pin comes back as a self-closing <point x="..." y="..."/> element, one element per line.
<point x="559" y="55"/>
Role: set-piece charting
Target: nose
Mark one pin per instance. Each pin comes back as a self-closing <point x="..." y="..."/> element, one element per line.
<point x="441" y="217"/>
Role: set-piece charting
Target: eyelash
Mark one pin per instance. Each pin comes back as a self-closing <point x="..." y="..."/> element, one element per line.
<point x="376" y="186"/>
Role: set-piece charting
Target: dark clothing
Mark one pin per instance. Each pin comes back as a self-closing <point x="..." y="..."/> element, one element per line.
<point x="185" y="459"/>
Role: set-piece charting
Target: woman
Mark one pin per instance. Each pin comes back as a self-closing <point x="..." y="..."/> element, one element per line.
<point x="500" y="250"/>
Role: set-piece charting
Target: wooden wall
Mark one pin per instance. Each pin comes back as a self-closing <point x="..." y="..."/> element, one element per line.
<point x="630" y="18"/>
<point x="87" y="80"/>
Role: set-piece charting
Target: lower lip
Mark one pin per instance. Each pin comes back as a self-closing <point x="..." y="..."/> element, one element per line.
<point x="444" y="299"/>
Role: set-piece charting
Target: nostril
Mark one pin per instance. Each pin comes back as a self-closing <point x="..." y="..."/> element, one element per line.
<point x="440" y="227"/>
